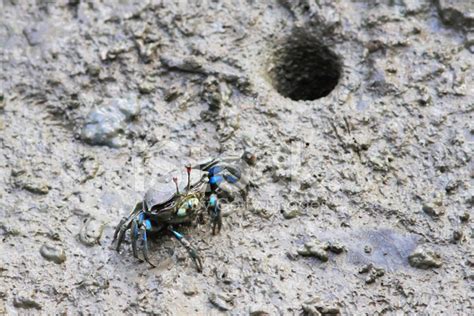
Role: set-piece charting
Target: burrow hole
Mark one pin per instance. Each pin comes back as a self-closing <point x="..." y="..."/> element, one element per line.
<point x="302" y="67"/>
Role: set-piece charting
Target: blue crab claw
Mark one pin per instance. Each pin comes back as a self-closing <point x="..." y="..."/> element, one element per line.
<point x="219" y="173"/>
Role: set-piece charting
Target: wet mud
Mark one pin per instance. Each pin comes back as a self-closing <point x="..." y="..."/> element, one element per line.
<point x="360" y="114"/>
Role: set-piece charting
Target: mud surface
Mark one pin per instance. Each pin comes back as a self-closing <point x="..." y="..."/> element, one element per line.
<point x="360" y="113"/>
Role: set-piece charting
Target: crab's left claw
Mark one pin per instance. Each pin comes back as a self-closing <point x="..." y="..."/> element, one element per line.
<point x="221" y="173"/>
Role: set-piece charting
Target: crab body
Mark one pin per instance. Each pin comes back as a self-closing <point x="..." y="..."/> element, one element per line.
<point x="167" y="204"/>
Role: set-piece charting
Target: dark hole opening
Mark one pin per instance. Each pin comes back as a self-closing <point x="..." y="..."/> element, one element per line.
<point x="303" y="68"/>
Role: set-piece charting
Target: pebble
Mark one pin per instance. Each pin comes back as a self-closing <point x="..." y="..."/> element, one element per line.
<point x="433" y="209"/>
<point x="53" y="253"/>
<point x="219" y="301"/>
<point x="316" y="307"/>
<point x="374" y="273"/>
<point x="105" y="125"/>
<point x="464" y="217"/>
<point x="367" y="249"/>
<point x="456" y="13"/>
<point x="188" y="64"/>
<point x="146" y="87"/>
<point x="30" y="183"/>
<point x="93" y="70"/>
<point x="36" y="186"/>
<point x="314" y="249"/>
<point x="336" y="247"/>
<point x="457" y="235"/>
<point x="190" y="290"/>
<point x="289" y="214"/>
<point x="23" y="300"/>
<point x="258" y="311"/>
<point x="424" y="258"/>
<point x="91" y="232"/>
<point x="320" y="249"/>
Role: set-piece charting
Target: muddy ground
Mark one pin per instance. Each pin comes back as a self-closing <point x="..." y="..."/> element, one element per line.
<point x="360" y="114"/>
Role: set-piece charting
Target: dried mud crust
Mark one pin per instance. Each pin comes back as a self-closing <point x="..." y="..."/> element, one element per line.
<point x="361" y="198"/>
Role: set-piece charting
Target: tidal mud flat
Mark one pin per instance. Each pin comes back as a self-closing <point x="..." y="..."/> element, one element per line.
<point x="360" y="114"/>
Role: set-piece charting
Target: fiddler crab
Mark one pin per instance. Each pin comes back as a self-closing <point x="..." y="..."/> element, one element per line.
<point x="165" y="205"/>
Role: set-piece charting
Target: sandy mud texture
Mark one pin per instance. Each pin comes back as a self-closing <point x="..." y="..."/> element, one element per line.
<point x="360" y="113"/>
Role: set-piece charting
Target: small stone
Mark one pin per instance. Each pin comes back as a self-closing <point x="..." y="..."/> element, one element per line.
<point x="23" y="300"/>
<point x="456" y="13"/>
<point x="328" y="310"/>
<point x="146" y="87"/>
<point x="105" y="125"/>
<point x="289" y="214"/>
<point x="317" y="307"/>
<point x="310" y="310"/>
<point x="423" y="258"/>
<point x="190" y="290"/>
<point x="457" y="235"/>
<point x="39" y="187"/>
<point x="433" y="210"/>
<point x="313" y="249"/>
<point x="336" y="247"/>
<point x="172" y="93"/>
<point x="367" y="249"/>
<point x="464" y="217"/>
<point x="91" y="232"/>
<point x="366" y="268"/>
<point x="219" y="301"/>
<point x="188" y="64"/>
<point x="53" y="253"/>
<point x="375" y="273"/>
<point x="93" y="70"/>
<point x="31" y="183"/>
<point x="258" y="311"/>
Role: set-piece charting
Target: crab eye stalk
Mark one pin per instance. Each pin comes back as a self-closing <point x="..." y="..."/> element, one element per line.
<point x="175" y="180"/>
<point x="188" y="170"/>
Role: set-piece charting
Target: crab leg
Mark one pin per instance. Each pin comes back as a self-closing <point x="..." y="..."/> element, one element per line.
<point x="215" y="212"/>
<point x="134" y="237"/>
<point x="119" y="226"/>
<point x="191" y="250"/>
<point x="124" y="225"/>
<point x="208" y="164"/>
<point x="146" y="226"/>
<point x="121" y="234"/>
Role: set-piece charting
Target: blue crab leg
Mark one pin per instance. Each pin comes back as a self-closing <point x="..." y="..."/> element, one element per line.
<point x="215" y="212"/>
<point x="191" y="250"/>
<point x="136" y="223"/>
<point x="134" y="237"/>
<point x="146" y="226"/>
